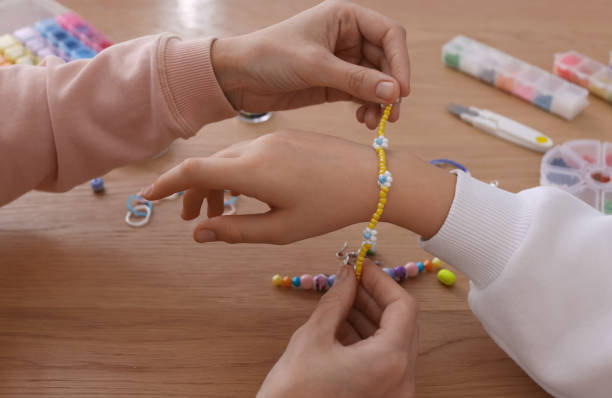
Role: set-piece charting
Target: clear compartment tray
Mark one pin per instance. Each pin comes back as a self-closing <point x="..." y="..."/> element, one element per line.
<point x="586" y="72"/>
<point x="582" y="168"/>
<point x="541" y="88"/>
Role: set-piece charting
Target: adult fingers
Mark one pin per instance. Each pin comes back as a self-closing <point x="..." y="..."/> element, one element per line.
<point x="361" y="323"/>
<point x="391" y="37"/>
<point x="347" y="335"/>
<point x="399" y="318"/>
<point x="334" y="306"/>
<point x="368" y="306"/>
<point x="364" y="83"/>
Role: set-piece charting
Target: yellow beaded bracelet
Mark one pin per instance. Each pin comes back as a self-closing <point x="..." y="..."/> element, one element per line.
<point x="384" y="181"/>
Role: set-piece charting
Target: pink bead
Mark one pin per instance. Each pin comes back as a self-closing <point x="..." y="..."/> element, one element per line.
<point x="306" y="282"/>
<point x="412" y="270"/>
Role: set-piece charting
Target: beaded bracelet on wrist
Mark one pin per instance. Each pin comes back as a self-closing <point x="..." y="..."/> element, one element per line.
<point x="384" y="181"/>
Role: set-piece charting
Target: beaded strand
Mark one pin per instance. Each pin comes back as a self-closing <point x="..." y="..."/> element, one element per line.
<point x="322" y="282"/>
<point x="384" y="181"/>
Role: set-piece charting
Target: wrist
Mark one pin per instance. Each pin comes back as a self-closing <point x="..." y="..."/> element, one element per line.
<point x="228" y="59"/>
<point x="421" y="195"/>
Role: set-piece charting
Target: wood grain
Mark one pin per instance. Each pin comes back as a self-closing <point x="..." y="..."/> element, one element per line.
<point x="90" y="307"/>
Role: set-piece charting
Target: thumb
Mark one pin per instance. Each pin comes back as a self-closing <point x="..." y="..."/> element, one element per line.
<point x="367" y="84"/>
<point x="250" y="228"/>
<point x="335" y="304"/>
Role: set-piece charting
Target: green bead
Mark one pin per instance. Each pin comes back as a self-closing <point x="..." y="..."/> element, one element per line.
<point x="608" y="206"/>
<point x="446" y="277"/>
<point x="370" y="253"/>
<point x="452" y="60"/>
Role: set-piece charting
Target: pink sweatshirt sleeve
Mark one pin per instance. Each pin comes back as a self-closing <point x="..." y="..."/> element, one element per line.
<point x="62" y="124"/>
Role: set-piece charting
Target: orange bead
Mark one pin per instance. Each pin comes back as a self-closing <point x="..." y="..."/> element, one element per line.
<point x="286" y="281"/>
<point x="428" y="265"/>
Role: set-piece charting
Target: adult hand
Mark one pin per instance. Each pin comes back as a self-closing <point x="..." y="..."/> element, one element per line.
<point x="361" y="341"/>
<point x="334" y="51"/>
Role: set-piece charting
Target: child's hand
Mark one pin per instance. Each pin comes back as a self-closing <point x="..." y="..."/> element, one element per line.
<point x="335" y="51"/>
<point x="313" y="184"/>
<point x="361" y="341"/>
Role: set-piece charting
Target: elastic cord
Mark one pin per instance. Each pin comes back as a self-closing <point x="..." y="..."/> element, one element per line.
<point x="458" y="165"/>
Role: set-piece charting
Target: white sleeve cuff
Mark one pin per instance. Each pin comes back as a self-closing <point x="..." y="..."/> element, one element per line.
<point x="482" y="231"/>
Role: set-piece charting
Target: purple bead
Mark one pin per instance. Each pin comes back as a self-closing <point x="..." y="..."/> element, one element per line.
<point x="25" y="34"/>
<point x="45" y="52"/>
<point x="400" y="273"/>
<point x="320" y="282"/>
<point x="389" y="272"/>
<point x="36" y="44"/>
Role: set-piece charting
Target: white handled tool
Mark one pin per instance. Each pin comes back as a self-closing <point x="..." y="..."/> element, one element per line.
<point x="502" y="127"/>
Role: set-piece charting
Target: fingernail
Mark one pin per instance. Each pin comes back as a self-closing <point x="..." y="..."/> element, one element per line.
<point x="384" y="91"/>
<point x="342" y="273"/>
<point x="146" y="191"/>
<point x="205" y="235"/>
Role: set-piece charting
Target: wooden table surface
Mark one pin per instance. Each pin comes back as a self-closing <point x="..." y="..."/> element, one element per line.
<point x="91" y="307"/>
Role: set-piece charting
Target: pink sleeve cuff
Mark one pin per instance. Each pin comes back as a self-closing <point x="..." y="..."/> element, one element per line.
<point x="189" y="84"/>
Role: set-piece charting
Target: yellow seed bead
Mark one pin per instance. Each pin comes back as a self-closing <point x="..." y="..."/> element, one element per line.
<point x="382" y="194"/>
<point x="379" y="212"/>
<point x="277" y="280"/>
<point x="437" y="263"/>
<point x="385" y="189"/>
<point x="376" y="216"/>
<point x="372" y="225"/>
<point x="380" y="205"/>
<point x="383" y="201"/>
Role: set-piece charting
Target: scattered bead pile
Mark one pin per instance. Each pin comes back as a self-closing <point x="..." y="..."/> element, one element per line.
<point x="384" y="181"/>
<point x="322" y="282"/>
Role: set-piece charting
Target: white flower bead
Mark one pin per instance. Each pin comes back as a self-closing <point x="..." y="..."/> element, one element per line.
<point x="381" y="142"/>
<point x="385" y="179"/>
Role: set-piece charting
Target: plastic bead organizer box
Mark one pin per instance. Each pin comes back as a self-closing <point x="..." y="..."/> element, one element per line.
<point x="31" y="30"/>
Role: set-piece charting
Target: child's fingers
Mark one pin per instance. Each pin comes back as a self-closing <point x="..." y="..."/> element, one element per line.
<point x="192" y="203"/>
<point x="215" y="203"/>
<point x="203" y="173"/>
<point x="251" y="228"/>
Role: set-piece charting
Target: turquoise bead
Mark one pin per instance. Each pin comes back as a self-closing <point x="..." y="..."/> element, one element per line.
<point x="421" y="266"/>
<point x="296" y="281"/>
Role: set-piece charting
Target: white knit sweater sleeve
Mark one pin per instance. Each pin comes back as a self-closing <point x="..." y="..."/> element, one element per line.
<point x="540" y="265"/>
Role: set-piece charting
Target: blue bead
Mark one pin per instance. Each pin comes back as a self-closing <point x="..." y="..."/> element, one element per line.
<point x="379" y="141"/>
<point x="97" y="185"/>
<point x="296" y="281"/>
<point x="382" y="179"/>
<point x="421" y="266"/>
<point x="331" y="280"/>
<point x="389" y="272"/>
<point x="82" y="53"/>
<point x="367" y="235"/>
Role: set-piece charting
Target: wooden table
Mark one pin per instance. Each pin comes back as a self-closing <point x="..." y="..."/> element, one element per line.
<point x="91" y="307"/>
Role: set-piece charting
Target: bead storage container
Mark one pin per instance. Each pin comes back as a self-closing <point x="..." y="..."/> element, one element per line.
<point x="532" y="84"/>
<point x="586" y="72"/>
<point x="582" y="168"/>
<point x="31" y="30"/>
